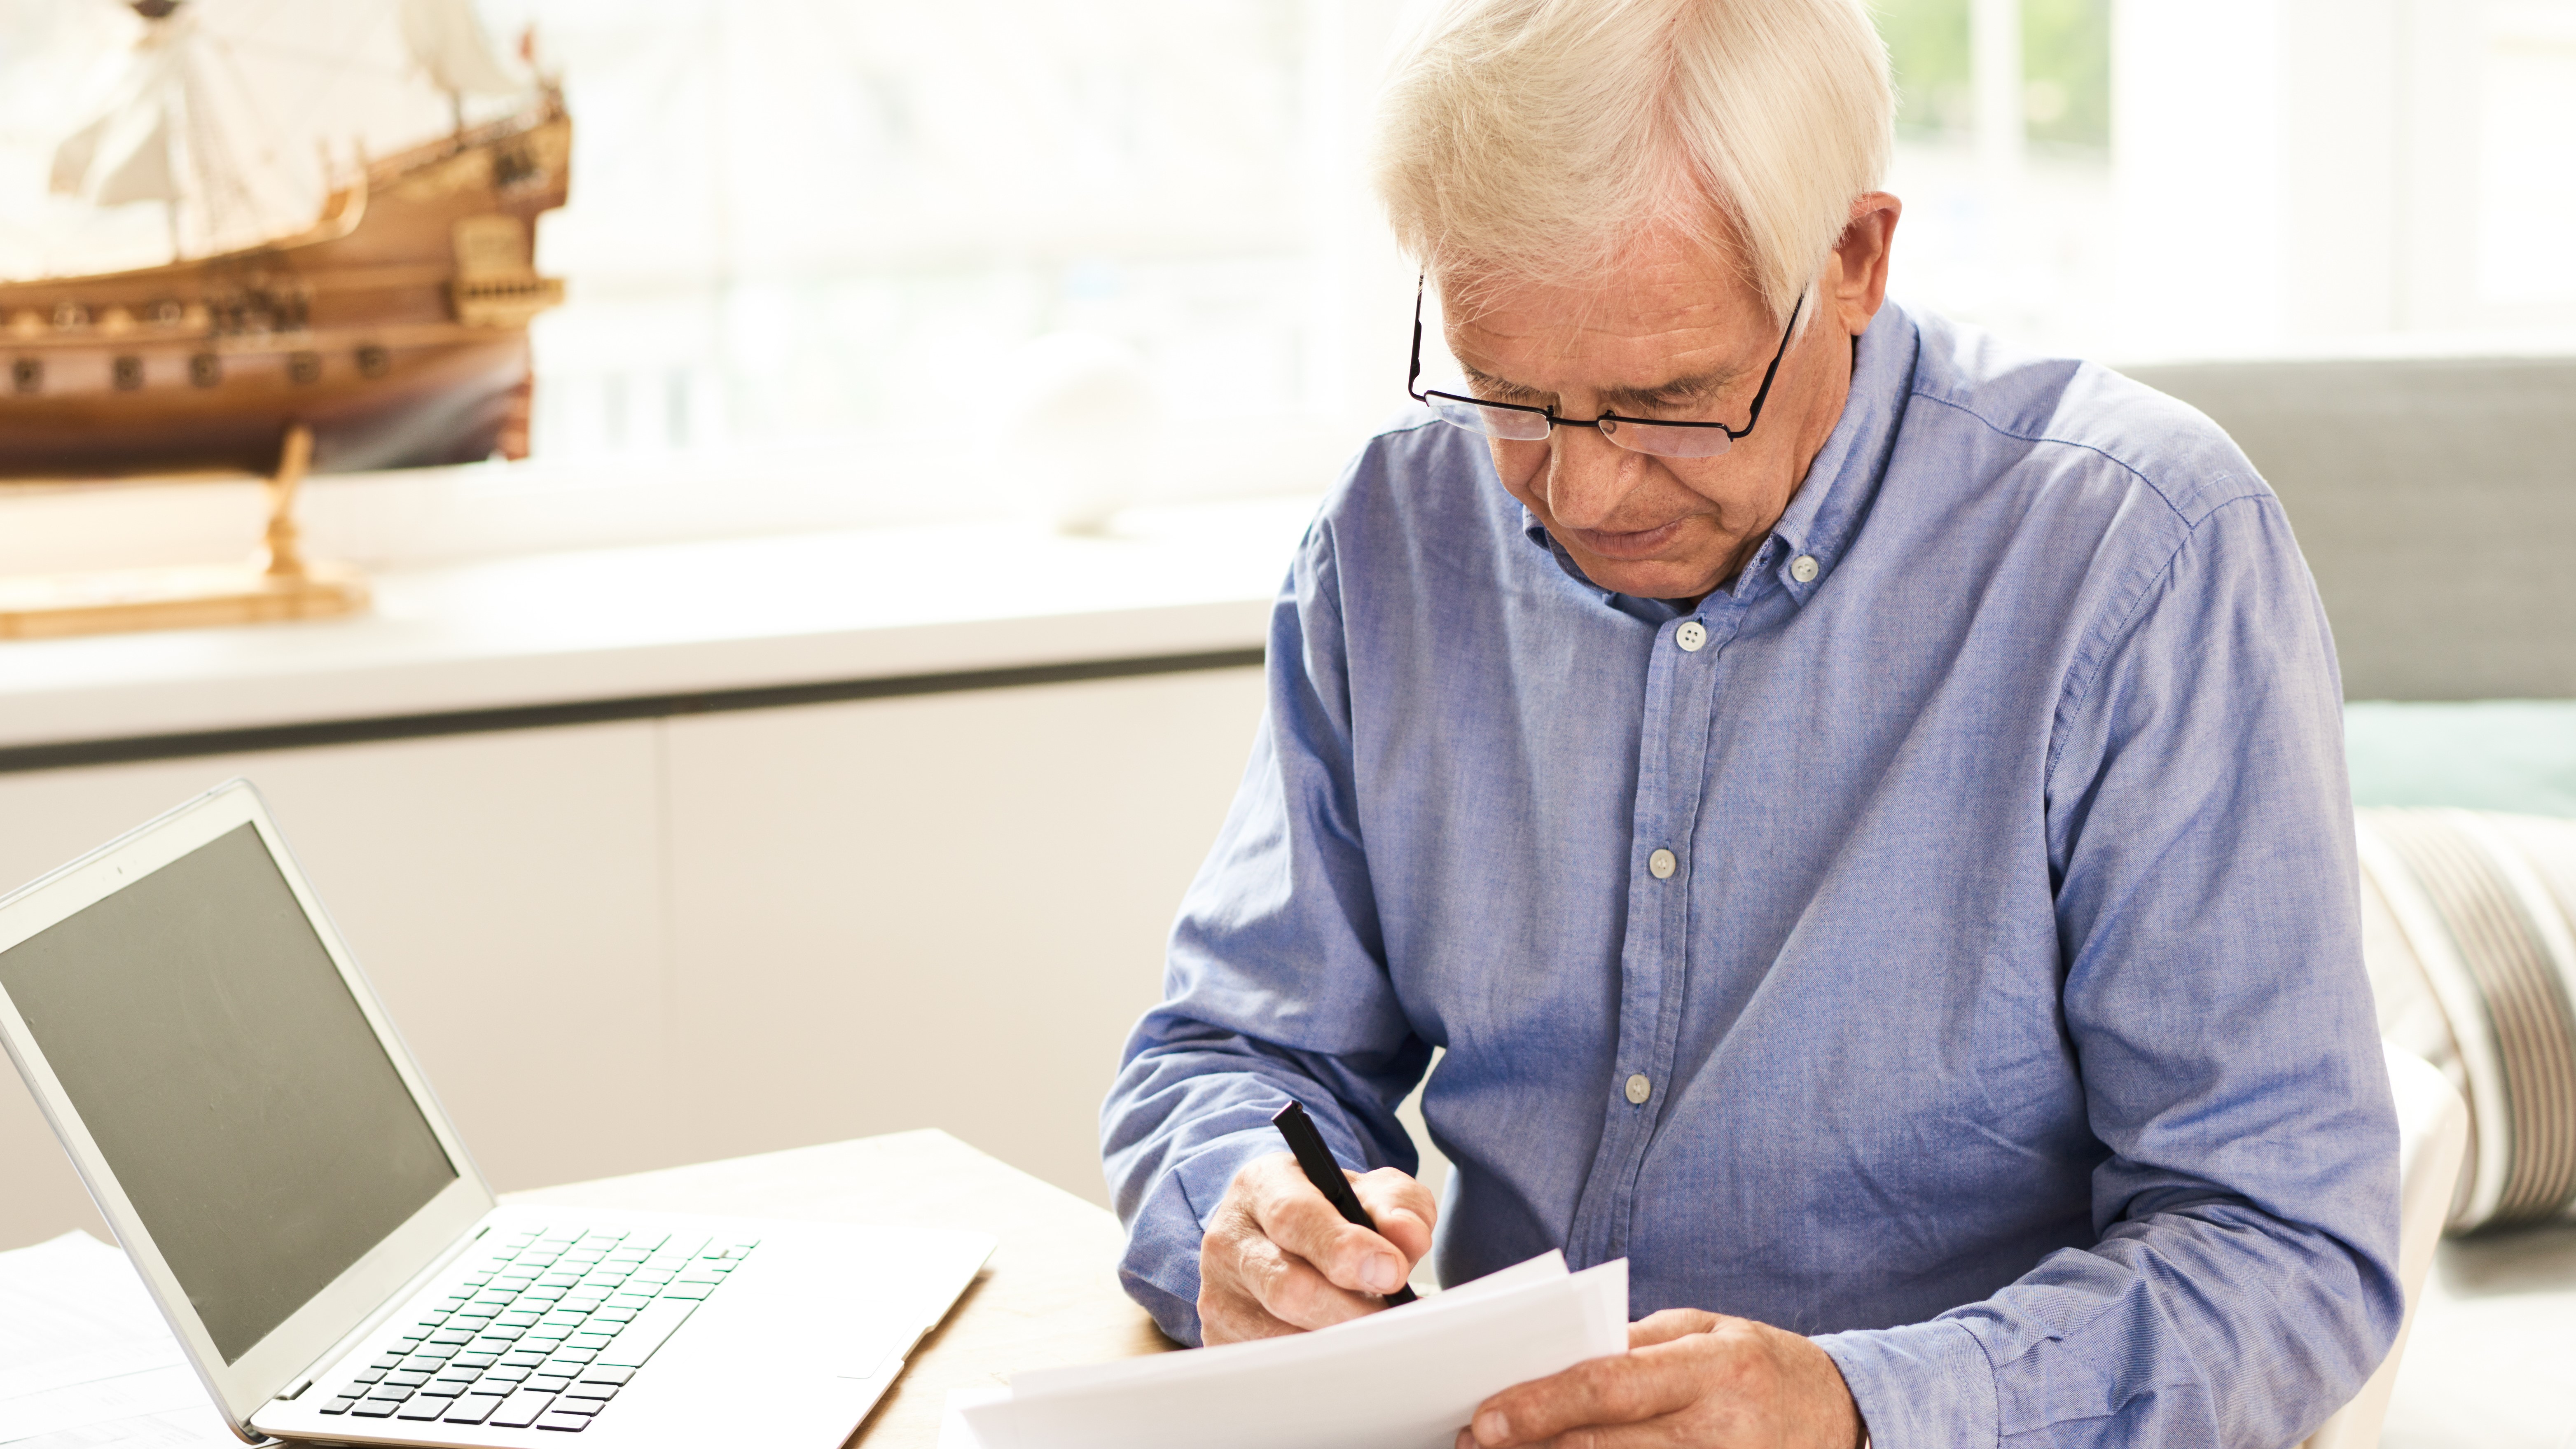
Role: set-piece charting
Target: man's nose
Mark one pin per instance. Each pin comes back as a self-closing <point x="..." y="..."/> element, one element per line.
<point x="1588" y="477"/>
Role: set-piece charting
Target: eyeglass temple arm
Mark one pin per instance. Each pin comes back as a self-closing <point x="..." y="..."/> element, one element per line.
<point x="1768" y="373"/>
<point x="1413" y="373"/>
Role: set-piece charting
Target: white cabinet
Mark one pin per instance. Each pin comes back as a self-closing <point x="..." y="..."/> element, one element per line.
<point x="939" y="911"/>
<point x="624" y="946"/>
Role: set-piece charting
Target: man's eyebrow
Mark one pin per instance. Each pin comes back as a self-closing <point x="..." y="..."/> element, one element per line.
<point x="1500" y="387"/>
<point x="1678" y="390"/>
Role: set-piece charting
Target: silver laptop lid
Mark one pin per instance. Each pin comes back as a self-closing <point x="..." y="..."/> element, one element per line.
<point x="231" y="1091"/>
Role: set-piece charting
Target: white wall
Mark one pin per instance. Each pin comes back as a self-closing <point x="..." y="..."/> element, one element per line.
<point x="626" y="946"/>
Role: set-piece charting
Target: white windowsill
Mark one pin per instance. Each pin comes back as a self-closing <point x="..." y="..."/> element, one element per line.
<point x="680" y="618"/>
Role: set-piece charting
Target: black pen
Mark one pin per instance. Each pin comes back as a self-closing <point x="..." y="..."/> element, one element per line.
<point x="1326" y="1175"/>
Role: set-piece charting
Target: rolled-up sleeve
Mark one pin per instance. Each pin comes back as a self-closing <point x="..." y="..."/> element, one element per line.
<point x="1275" y="985"/>
<point x="2200" y="832"/>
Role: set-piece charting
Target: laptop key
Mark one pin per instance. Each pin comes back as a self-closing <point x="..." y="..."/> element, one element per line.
<point x="472" y="1409"/>
<point x="375" y="1408"/>
<point x="520" y="1410"/>
<point x="570" y="1423"/>
<point x="604" y="1374"/>
<point x="423" y="1408"/>
<point x="341" y="1406"/>
<point x="570" y="1405"/>
<point x="631" y="1348"/>
<point x="591" y="1391"/>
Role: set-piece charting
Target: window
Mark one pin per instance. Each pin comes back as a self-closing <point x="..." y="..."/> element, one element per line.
<point x="838" y="226"/>
<point x="2003" y="159"/>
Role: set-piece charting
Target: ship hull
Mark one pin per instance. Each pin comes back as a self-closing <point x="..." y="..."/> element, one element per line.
<point x="389" y="331"/>
<point x="453" y="402"/>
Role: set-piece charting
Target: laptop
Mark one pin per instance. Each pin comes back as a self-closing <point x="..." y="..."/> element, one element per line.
<point x="274" y="1162"/>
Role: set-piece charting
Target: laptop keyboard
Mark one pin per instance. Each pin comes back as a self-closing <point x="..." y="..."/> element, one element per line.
<point x="543" y="1329"/>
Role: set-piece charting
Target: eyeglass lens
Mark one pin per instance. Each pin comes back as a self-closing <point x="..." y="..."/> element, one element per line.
<point x="1520" y="426"/>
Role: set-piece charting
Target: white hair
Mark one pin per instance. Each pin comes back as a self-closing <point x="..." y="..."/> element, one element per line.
<point x="1538" y="140"/>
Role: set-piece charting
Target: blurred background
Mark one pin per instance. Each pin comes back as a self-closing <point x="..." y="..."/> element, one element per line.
<point x="871" y="639"/>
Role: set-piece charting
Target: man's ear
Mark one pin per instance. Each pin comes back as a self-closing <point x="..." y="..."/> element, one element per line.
<point x="1860" y="284"/>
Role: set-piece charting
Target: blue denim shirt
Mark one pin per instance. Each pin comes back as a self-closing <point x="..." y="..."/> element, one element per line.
<point x="2003" y="1021"/>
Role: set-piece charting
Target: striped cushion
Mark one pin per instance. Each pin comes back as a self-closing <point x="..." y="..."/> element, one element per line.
<point x="2469" y="929"/>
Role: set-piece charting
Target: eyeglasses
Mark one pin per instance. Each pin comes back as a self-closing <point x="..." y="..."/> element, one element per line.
<point x="1517" y="422"/>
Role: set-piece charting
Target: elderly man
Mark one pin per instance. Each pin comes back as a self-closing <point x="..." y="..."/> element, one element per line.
<point x="1862" y="810"/>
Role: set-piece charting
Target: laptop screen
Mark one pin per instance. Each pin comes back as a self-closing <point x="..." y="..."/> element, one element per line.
<point x="237" y="1092"/>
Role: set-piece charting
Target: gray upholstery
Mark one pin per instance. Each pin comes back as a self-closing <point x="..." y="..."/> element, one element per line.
<point x="2435" y="499"/>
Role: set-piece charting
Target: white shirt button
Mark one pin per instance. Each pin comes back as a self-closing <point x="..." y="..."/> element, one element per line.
<point x="1661" y="863"/>
<point x="1639" y="1089"/>
<point x="1803" y="568"/>
<point x="1691" y="636"/>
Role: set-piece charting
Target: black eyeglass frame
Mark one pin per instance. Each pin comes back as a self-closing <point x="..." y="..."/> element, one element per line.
<point x="1413" y="376"/>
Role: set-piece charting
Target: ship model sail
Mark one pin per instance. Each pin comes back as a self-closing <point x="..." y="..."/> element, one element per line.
<point x="363" y="274"/>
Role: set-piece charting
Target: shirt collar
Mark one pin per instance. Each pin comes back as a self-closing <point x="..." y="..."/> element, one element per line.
<point x="1843" y="480"/>
<point x="1841" y="483"/>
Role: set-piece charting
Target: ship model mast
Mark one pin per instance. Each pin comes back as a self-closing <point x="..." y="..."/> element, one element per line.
<point x="322" y="307"/>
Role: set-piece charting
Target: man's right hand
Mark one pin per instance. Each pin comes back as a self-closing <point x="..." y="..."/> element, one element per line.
<point x="1278" y="1259"/>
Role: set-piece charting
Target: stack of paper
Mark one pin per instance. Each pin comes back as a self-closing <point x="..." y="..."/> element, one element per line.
<point x="86" y="1360"/>
<point x="1406" y="1378"/>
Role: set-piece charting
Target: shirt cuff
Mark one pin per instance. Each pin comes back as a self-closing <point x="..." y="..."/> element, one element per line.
<point x="1920" y="1386"/>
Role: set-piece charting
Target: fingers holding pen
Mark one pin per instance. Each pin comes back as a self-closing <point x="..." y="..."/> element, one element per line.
<point x="1294" y="1215"/>
<point x="1405" y="1211"/>
<point x="1278" y="1258"/>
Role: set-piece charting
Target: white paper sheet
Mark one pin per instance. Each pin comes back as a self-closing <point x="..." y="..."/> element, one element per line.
<point x="86" y="1361"/>
<point x="1407" y="1378"/>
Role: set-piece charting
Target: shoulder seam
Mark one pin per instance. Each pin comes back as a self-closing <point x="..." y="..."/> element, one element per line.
<point x="2116" y="461"/>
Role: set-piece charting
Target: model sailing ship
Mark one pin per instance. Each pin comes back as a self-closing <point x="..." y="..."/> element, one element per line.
<point x="331" y="300"/>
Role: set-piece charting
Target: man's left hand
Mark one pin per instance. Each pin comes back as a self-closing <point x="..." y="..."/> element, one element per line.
<point x="1689" y="1379"/>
